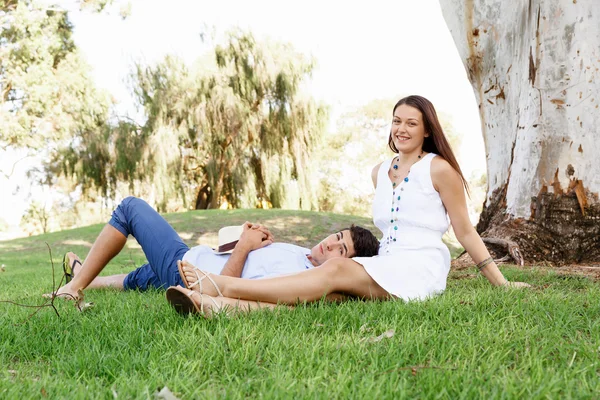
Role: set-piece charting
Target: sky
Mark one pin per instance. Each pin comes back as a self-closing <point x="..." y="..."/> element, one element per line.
<point x="364" y="51"/>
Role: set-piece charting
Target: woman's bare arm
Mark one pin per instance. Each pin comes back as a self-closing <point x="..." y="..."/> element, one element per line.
<point x="450" y="187"/>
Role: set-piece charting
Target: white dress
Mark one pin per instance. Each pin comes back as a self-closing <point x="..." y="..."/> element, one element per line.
<point x="413" y="262"/>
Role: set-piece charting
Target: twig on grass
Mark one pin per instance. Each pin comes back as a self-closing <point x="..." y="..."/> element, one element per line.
<point x="47" y="303"/>
<point x="414" y="369"/>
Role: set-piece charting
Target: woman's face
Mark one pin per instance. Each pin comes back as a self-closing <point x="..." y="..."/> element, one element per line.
<point x="408" y="129"/>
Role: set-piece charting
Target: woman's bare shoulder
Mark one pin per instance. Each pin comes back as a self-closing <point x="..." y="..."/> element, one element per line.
<point x="442" y="173"/>
<point x="439" y="166"/>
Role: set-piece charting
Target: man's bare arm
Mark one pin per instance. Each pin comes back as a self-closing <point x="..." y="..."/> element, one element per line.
<point x="235" y="264"/>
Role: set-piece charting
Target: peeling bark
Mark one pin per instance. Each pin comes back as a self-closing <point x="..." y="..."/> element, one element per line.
<point x="534" y="67"/>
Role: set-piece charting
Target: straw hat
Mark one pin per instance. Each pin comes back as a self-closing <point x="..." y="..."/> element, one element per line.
<point x="228" y="238"/>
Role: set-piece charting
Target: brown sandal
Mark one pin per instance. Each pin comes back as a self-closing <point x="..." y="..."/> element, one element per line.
<point x="69" y="268"/>
<point x="181" y="299"/>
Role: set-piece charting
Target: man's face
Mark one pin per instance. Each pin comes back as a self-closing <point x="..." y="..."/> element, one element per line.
<point x="336" y="245"/>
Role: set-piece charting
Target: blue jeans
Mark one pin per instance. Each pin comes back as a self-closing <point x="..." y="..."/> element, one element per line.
<point x="160" y="243"/>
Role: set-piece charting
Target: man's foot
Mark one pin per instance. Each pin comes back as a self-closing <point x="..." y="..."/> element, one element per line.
<point x="198" y="280"/>
<point x="66" y="291"/>
<point x="74" y="263"/>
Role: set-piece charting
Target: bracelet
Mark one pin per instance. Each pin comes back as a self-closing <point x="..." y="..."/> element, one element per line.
<point x="484" y="263"/>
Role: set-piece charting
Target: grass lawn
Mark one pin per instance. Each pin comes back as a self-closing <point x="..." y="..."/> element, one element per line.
<point x="474" y="341"/>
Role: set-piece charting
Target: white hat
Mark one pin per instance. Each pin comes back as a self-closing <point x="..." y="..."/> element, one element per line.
<point x="228" y="238"/>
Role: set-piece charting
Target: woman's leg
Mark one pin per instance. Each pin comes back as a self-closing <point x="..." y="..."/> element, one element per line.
<point x="340" y="275"/>
<point x="211" y="306"/>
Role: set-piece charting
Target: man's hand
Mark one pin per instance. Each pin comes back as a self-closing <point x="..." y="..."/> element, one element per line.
<point x="255" y="236"/>
<point x="262" y="228"/>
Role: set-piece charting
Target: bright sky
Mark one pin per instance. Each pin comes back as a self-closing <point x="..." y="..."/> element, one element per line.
<point x="364" y="51"/>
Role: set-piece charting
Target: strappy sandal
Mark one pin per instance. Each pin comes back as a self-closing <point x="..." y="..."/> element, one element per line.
<point x="68" y="268"/>
<point x="200" y="276"/>
<point x="181" y="300"/>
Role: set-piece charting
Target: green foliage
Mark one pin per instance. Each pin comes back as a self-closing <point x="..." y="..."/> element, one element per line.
<point x="46" y="93"/>
<point x="478" y="185"/>
<point x="236" y="130"/>
<point x="3" y="225"/>
<point x="48" y="103"/>
<point x="472" y="342"/>
<point x="36" y="218"/>
<point x="94" y="5"/>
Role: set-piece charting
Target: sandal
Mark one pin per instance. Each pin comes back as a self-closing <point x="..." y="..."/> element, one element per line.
<point x="199" y="280"/>
<point x="68" y="268"/>
<point x="181" y="300"/>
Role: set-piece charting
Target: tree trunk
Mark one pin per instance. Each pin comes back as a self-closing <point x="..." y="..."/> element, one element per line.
<point x="203" y="198"/>
<point x="534" y="67"/>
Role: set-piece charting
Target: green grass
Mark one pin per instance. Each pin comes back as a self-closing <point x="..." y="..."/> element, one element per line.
<point x="473" y="341"/>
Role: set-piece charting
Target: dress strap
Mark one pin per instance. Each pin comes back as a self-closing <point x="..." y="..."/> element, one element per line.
<point x="382" y="174"/>
<point x="425" y="171"/>
<point x="384" y="168"/>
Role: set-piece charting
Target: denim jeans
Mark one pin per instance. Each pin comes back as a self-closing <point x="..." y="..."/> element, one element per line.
<point x="159" y="241"/>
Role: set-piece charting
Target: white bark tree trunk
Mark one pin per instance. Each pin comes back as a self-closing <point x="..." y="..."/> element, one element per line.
<point x="534" y="66"/>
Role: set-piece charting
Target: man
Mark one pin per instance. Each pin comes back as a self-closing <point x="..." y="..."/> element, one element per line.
<point x="255" y="255"/>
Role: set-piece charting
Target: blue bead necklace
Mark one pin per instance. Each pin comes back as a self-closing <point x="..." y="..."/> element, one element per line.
<point x="398" y="188"/>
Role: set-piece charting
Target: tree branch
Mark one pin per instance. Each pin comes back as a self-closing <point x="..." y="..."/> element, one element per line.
<point x="512" y="248"/>
<point x="46" y="304"/>
<point x="12" y="171"/>
<point x="130" y="120"/>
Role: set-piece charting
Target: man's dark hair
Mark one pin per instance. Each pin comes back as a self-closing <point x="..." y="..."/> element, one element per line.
<point x="365" y="243"/>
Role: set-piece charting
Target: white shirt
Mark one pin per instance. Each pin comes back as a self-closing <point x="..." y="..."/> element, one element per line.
<point x="273" y="260"/>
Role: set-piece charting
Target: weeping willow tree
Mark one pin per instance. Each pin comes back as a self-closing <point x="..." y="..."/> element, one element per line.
<point x="233" y="129"/>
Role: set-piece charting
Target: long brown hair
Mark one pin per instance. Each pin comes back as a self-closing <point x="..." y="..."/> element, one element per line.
<point x="436" y="142"/>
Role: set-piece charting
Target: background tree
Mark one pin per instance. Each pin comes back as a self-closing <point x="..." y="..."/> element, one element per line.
<point x="3" y="225"/>
<point x="47" y="97"/>
<point x="46" y="93"/>
<point x="534" y="70"/>
<point x="348" y="155"/>
<point x="233" y="129"/>
<point x="37" y="218"/>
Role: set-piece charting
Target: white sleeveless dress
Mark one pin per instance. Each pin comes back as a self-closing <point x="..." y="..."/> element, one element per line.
<point x="413" y="262"/>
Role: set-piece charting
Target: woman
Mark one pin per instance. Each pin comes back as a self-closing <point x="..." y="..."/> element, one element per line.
<point x="415" y="192"/>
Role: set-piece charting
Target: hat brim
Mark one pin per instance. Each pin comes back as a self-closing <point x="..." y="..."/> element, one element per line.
<point x="226" y="248"/>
